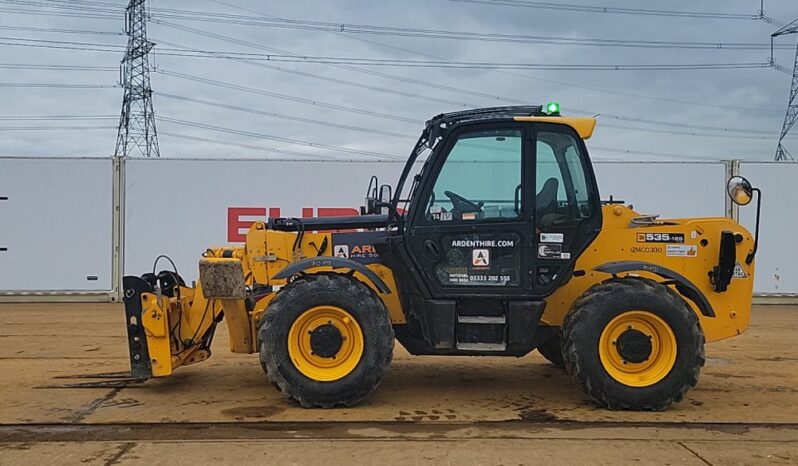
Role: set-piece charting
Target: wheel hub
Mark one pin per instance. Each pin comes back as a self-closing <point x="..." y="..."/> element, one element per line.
<point x="637" y="348"/>
<point x="326" y="341"/>
<point x="634" y="346"/>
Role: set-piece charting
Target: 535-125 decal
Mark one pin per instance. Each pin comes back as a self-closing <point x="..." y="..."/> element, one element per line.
<point x="660" y="237"/>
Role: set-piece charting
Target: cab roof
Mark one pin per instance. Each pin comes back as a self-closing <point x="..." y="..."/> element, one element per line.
<point x="583" y="126"/>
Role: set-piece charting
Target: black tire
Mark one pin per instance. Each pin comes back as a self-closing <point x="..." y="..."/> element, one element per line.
<point x="551" y="349"/>
<point x="595" y="309"/>
<point x="362" y="304"/>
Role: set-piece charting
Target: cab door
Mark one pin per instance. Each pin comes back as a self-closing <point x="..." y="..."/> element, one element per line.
<point x="471" y="222"/>
<point x="567" y="212"/>
<point x="504" y="210"/>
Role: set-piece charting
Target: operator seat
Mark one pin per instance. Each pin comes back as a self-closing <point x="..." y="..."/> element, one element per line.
<point x="546" y="199"/>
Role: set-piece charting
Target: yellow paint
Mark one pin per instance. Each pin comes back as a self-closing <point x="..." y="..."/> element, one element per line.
<point x="583" y="126"/>
<point x="618" y="241"/>
<point x="645" y="373"/>
<point x="318" y="368"/>
<point x="155" y="321"/>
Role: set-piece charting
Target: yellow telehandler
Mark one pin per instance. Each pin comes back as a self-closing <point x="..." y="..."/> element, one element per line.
<point x="496" y="245"/>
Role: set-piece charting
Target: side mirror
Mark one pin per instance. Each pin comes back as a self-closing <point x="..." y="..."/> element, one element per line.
<point x="386" y="195"/>
<point x="742" y="193"/>
<point x="740" y="190"/>
<point x="371" y="197"/>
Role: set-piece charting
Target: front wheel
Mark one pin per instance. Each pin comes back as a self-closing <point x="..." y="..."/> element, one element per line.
<point x="633" y="344"/>
<point x="326" y="340"/>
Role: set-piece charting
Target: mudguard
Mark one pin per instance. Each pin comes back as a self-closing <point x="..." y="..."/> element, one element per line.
<point x="684" y="285"/>
<point x="336" y="263"/>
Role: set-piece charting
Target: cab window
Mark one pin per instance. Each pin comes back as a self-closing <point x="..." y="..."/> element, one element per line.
<point x="561" y="184"/>
<point x="480" y="179"/>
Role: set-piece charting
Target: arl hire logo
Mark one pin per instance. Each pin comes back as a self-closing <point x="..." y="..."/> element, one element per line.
<point x="480" y="257"/>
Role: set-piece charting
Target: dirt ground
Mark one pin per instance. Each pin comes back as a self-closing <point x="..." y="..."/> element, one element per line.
<point x="428" y="409"/>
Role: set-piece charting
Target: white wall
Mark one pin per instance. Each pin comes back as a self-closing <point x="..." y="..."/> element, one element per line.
<point x="777" y="258"/>
<point x="56" y="224"/>
<point x="671" y="189"/>
<point x="180" y="207"/>
<point x="57" y="221"/>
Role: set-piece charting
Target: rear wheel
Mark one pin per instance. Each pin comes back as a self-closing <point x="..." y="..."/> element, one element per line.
<point x="326" y="341"/>
<point x="634" y="344"/>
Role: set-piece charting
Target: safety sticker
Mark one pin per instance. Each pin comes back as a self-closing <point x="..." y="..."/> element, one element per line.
<point x="660" y="237"/>
<point x="469" y="215"/>
<point x="681" y="250"/>
<point x="480" y="257"/>
<point x="446" y="217"/>
<point x="738" y="271"/>
<point x="550" y="251"/>
<point x="341" y="250"/>
<point x="551" y="237"/>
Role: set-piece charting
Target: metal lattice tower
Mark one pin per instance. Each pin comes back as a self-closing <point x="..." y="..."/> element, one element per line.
<point x="137" y="133"/>
<point x="792" y="106"/>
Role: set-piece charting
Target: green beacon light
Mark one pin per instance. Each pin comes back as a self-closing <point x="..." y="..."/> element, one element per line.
<point x="552" y="108"/>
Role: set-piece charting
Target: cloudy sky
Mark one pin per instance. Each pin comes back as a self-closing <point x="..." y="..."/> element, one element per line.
<point x="241" y="105"/>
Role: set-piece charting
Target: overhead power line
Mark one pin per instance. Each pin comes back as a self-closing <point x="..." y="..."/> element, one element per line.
<point x="60" y="31"/>
<point x="286" y="97"/>
<point x="29" y="66"/>
<point x="53" y="128"/>
<point x="71" y="6"/>
<point x="244" y="146"/>
<point x="199" y="125"/>
<point x="39" y="13"/>
<point x="753" y="135"/>
<point x="193" y="53"/>
<point x="651" y="153"/>
<point x="351" y="28"/>
<point x="390" y="62"/>
<point x="430" y="84"/>
<point x="614" y="10"/>
<point x="55" y="117"/>
<point x="61" y="85"/>
<point x="312" y="121"/>
<point x="345" y="82"/>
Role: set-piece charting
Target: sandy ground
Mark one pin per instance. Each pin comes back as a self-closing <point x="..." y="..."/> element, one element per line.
<point x="428" y="409"/>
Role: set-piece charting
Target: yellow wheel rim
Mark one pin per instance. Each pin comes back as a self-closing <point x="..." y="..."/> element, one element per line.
<point x="637" y="370"/>
<point x="327" y="363"/>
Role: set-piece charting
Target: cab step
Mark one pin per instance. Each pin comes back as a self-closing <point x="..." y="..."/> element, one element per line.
<point x="481" y="319"/>
<point x="482" y="346"/>
<point x="481" y="333"/>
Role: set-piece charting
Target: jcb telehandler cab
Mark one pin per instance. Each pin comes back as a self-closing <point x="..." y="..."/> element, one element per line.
<point x="497" y="245"/>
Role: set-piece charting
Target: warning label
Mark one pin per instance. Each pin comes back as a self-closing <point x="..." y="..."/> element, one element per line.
<point x="738" y="271"/>
<point x="681" y="250"/>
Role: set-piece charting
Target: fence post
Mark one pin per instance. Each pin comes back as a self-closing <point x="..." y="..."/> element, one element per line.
<point x="118" y="230"/>
<point x="732" y="209"/>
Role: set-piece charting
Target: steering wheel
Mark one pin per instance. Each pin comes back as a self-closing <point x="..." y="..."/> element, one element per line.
<point x="461" y="204"/>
